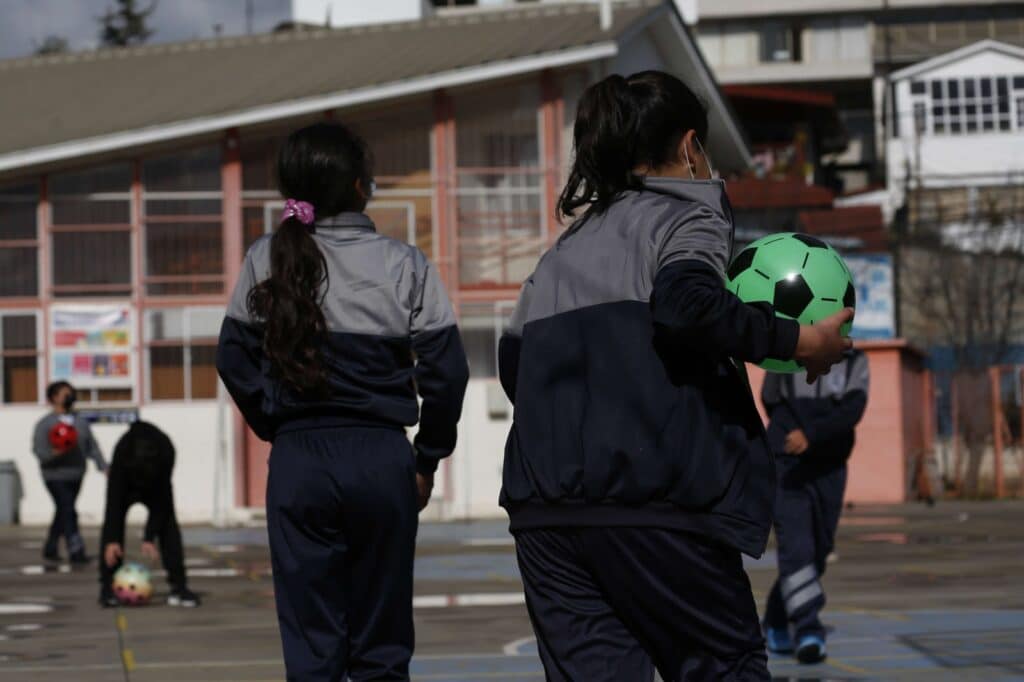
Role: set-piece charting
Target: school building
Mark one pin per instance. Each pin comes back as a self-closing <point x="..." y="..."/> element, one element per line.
<point x="133" y="180"/>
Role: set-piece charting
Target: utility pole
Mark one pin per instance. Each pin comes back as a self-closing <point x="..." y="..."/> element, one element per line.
<point x="248" y="17"/>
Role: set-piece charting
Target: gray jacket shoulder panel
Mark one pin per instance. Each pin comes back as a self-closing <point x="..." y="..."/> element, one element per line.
<point x="615" y="256"/>
<point x="375" y="284"/>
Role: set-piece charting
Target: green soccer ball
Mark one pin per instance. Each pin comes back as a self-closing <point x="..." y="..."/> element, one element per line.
<point x="804" y="278"/>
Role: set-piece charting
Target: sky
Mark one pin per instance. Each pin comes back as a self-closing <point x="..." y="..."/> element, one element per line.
<point x="25" y="23"/>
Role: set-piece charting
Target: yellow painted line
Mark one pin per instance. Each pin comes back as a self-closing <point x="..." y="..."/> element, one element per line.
<point x="884" y="615"/>
<point x="129" y="660"/>
<point x="122" y="622"/>
<point x="845" y="667"/>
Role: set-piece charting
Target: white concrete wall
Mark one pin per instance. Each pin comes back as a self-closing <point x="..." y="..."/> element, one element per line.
<point x="193" y="428"/>
<point x="474" y="469"/>
<point x="357" y="12"/>
<point x="718" y="9"/>
<point x="832" y="48"/>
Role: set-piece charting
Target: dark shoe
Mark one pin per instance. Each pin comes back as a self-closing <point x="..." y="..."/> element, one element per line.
<point x="51" y="555"/>
<point x="108" y="599"/>
<point x="778" y="640"/>
<point x="80" y="558"/>
<point x="183" y="597"/>
<point x="811" y="649"/>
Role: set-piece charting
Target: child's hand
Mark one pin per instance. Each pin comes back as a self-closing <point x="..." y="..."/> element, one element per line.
<point x="150" y="551"/>
<point x="796" y="443"/>
<point x="820" y="345"/>
<point x="112" y="553"/>
<point x="424" y="487"/>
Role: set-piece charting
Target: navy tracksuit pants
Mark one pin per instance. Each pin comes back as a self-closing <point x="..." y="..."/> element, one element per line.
<point x="341" y="516"/>
<point x="65" y="517"/>
<point x="807" y="508"/>
<point x="612" y="604"/>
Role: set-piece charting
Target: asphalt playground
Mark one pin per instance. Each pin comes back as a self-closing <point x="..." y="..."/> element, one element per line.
<point x="915" y="593"/>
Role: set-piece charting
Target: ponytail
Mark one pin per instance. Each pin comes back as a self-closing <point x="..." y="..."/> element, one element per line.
<point x="323" y="169"/>
<point x="288" y="303"/>
<point x="604" y="136"/>
<point x="622" y="124"/>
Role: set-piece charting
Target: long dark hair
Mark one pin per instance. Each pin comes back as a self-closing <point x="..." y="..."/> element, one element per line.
<point x="622" y="123"/>
<point x="320" y="164"/>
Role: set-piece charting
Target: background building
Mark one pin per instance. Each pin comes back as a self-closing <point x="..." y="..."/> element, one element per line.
<point x="133" y="180"/>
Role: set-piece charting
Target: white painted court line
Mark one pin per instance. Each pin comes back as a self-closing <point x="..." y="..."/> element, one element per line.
<point x="439" y="601"/>
<point x="9" y="609"/>
<point x="489" y="542"/>
<point x="513" y="648"/>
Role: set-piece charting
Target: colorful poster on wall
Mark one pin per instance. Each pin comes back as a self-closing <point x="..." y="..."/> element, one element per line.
<point x="90" y="345"/>
<point x="872" y="275"/>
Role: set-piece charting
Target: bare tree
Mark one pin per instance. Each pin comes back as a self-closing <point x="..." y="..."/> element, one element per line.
<point x="961" y="256"/>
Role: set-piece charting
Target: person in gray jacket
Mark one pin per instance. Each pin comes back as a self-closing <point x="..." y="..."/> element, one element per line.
<point x="63" y="469"/>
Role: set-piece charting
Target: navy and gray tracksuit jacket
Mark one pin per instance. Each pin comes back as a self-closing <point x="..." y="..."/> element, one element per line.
<point x="391" y="334"/>
<point x="827" y="411"/>
<point x="624" y="363"/>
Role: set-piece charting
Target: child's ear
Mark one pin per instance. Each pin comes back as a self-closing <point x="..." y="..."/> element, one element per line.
<point x="365" y="192"/>
<point x="687" y="153"/>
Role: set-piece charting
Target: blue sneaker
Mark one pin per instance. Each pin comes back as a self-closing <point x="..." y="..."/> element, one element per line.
<point x="811" y="649"/>
<point x="778" y="640"/>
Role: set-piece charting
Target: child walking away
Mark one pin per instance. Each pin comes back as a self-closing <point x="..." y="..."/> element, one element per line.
<point x="811" y="431"/>
<point x="62" y="440"/>
<point x="636" y="472"/>
<point x="331" y="332"/>
<point x="140" y="472"/>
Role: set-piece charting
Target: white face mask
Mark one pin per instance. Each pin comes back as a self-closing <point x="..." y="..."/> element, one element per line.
<point x="707" y="160"/>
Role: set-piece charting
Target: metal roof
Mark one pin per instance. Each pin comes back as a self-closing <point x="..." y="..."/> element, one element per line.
<point x="49" y="100"/>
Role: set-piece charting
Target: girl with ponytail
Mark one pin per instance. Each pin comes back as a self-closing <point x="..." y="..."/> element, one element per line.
<point x="636" y="471"/>
<point x="336" y="339"/>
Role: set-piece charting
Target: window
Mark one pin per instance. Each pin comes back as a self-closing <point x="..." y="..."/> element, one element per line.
<point x="91" y="231"/>
<point x="920" y="117"/>
<point x="1003" y="103"/>
<point x="403" y="204"/>
<point x="181" y="347"/>
<point x="1020" y="112"/>
<point x="499" y="191"/>
<point x="968" y="105"/>
<point x="918" y="88"/>
<point x="182" y="213"/>
<point x="19" y="240"/>
<point x="779" y="42"/>
<point x="19" y="357"/>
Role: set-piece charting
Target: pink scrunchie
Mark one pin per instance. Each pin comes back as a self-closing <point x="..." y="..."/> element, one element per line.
<point x="303" y="210"/>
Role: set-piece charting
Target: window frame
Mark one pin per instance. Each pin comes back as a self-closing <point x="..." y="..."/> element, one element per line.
<point x="37" y="353"/>
<point x="26" y="243"/>
<point x="150" y="222"/>
<point x="186" y="343"/>
<point x="82" y="290"/>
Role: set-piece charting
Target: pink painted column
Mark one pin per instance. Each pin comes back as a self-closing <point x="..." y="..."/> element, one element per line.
<point x="551" y="105"/>
<point x="43" y="221"/>
<point x="446" y="230"/>
<point x="139" y="279"/>
<point x="231" y="238"/>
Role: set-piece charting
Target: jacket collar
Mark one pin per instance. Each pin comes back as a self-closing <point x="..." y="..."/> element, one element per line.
<point x="710" y="193"/>
<point x="349" y="219"/>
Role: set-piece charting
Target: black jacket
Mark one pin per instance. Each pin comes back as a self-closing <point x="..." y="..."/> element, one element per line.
<point x="827" y="411"/>
<point x="624" y="363"/>
<point x="140" y="472"/>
